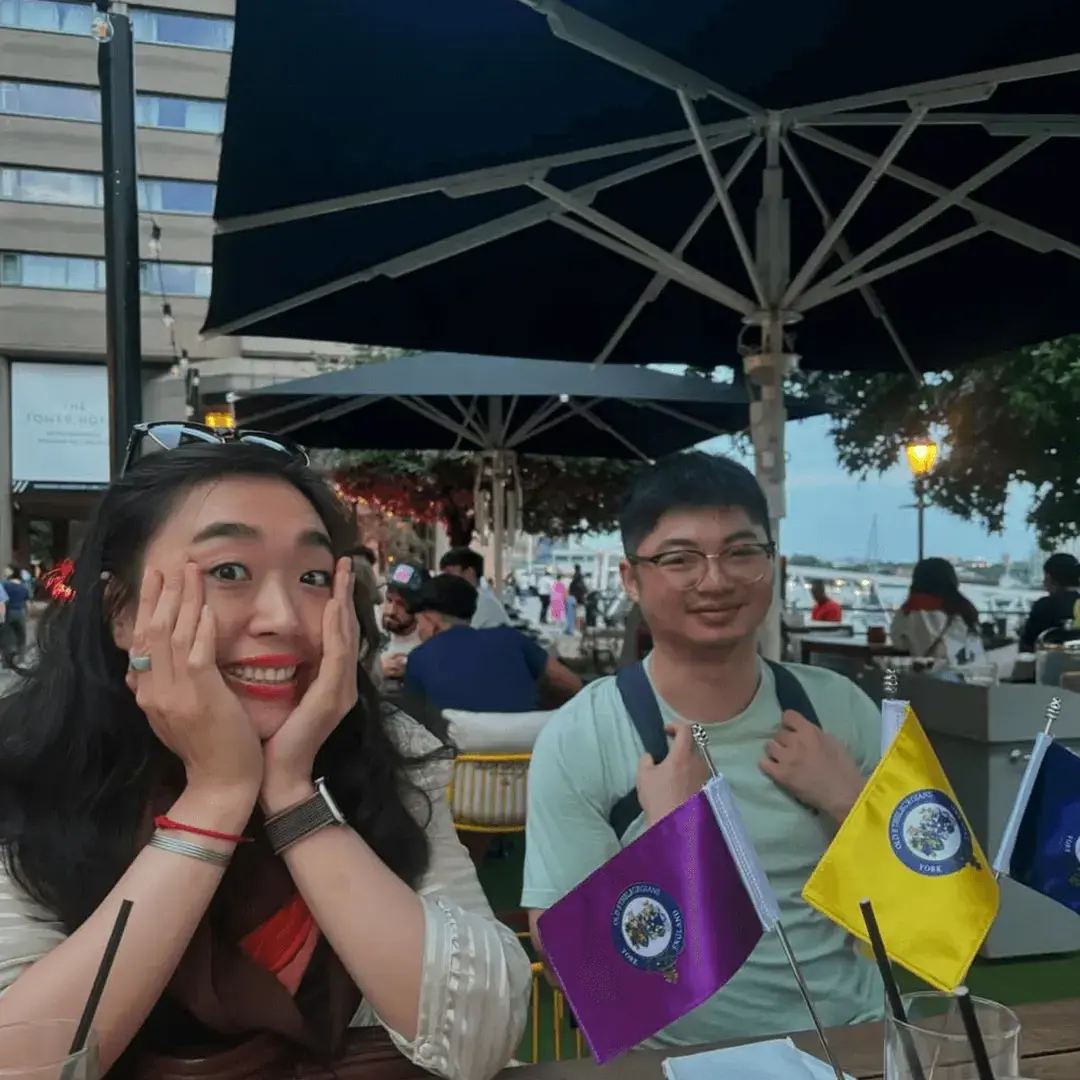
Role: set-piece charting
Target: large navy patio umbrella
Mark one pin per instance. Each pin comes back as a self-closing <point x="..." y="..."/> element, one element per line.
<point x="501" y="407"/>
<point x="625" y="179"/>
<point x="453" y="401"/>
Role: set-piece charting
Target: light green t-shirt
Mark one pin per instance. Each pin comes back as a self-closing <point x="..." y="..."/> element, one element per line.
<point x="586" y="758"/>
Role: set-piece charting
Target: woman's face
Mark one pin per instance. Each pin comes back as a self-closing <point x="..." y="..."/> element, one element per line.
<point x="267" y="568"/>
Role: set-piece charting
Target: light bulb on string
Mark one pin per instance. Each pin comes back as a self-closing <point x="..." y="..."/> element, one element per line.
<point x="154" y="243"/>
<point x="167" y="316"/>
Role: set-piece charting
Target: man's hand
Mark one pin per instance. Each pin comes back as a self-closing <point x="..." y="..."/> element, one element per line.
<point x="393" y="666"/>
<point x="665" y="787"/>
<point x="813" y="766"/>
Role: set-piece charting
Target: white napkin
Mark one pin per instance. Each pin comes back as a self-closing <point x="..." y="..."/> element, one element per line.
<point x="775" y="1059"/>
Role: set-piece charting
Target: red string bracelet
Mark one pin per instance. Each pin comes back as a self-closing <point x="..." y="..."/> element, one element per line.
<point x="163" y="822"/>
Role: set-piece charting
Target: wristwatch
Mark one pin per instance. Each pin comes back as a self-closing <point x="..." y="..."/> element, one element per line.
<point x="300" y="821"/>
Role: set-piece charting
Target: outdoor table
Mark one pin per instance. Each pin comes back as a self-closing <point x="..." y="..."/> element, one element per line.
<point x="856" y="647"/>
<point x="1050" y="1044"/>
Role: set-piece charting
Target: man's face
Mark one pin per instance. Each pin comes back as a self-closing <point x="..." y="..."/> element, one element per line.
<point x="396" y="616"/>
<point x="719" y="611"/>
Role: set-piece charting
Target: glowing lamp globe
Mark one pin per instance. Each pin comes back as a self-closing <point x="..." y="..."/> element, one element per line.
<point x="921" y="457"/>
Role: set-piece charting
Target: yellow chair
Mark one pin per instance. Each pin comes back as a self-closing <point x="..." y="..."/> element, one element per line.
<point x="559" y="1013"/>
<point x="487" y="792"/>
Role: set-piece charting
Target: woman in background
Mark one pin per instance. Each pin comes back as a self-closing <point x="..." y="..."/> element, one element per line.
<point x="937" y="621"/>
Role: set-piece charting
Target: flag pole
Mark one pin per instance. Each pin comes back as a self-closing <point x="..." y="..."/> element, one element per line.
<point x="701" y="740"/>
<point x="1023" y="795"/>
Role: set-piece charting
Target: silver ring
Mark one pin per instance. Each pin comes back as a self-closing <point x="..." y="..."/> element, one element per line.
<point x="139" y="663"/>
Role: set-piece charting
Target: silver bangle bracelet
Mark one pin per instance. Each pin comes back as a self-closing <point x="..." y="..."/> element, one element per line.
<point x="193" y="851"/>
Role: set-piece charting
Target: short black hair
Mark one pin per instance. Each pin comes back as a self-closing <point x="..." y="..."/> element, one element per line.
<point x="690" y="481"/>
<point x="1063" y="569"/>
<point x="463" y="558"/>
<point x="448" y="595"/>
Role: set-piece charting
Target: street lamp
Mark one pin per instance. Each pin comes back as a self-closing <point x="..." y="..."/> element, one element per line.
<point x="921" y="455"/>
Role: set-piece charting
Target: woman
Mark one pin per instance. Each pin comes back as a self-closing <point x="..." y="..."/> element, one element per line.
<point x="558" y="600"/>
<point x="168" y="747"/>
<point x="937" y="620"/>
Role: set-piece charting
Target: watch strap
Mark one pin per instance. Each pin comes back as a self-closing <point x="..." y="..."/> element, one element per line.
<point x="299" y="822"/>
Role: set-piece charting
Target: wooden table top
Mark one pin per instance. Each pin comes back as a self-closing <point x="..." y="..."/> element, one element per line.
<point x="1049" y="1042"/>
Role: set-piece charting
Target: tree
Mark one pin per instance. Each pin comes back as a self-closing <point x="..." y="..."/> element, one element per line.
<point x="562" y="497"/>
<point x="1012" y="419"/>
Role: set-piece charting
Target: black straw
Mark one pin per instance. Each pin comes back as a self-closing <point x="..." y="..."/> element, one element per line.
<point x="975" y="1036"/>
<point x="82" y="1032"/>
<point x="892" y="991"/>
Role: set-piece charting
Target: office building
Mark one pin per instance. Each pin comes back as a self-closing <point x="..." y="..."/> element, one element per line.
<point x="53" y="388"/>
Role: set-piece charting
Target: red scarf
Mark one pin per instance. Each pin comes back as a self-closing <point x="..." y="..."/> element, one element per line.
<point x="277" y="942"/>
<point x="922" y="602"/>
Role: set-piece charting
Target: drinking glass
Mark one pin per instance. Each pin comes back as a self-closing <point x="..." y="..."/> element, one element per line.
<point x="934" y="1036"/>
<point x="37" y="1050"/>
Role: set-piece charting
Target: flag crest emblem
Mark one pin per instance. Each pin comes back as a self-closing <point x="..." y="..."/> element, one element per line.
<point x="648" y="929"/>
<point x="929" y="835"/>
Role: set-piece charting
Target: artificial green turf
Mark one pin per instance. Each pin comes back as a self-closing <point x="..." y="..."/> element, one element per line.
<point x="1012" y="982"/>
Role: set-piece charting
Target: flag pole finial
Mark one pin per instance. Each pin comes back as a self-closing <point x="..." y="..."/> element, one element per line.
<point x="1053" y="711"/>
<point x="701" y="741"/>
<point x="891" y="683"/>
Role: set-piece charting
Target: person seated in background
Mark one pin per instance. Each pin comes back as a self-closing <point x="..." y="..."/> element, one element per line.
<point x="825" y="608"/>
<point x="936" y="620"/>
<point x="1061" y="580"/>
<point x="399" y="619"/>
<point x="465" y="563"/>
<point x="495" y="670"/>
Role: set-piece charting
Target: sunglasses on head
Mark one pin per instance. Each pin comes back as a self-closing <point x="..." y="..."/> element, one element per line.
<point x="169" y="435"/>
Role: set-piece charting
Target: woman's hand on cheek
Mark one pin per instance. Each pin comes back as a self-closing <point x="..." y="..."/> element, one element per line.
<point x="290" y="753"/>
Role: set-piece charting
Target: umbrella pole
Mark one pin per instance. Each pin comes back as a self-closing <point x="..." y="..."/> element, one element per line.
<point x="767" y="370"/>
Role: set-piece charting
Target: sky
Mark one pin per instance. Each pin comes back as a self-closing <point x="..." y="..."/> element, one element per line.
<point x="831" y="514"/>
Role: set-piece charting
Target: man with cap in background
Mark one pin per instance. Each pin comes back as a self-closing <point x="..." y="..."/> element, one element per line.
<point x="403" y="587"/>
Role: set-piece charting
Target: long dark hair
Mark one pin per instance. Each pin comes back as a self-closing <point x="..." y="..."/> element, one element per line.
<point x="79" y="764"/>
<point x="937" y="577"/>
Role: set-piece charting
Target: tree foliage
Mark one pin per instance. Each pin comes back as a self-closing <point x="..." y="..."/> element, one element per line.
<point x="1012" y="419"/>
<point x="562" y="497"/>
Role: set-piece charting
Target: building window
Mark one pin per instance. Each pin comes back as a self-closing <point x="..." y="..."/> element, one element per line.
<point x="52" y="272"/>
<point x="58" y="16"/>
<point x="147" y="27"/>
<point x="72" y="272"/>
<point x="175" y="279"/>
<point x="58" y="102"/>
<point x="49" y="100"/>
<point x="86" y="189"/>
<point x="176" y="197"/>
<point x="187" y="31"/>
<point x="50" y="186"/>
<point x="180" y="114"/>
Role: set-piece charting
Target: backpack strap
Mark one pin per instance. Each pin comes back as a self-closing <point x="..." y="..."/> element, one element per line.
<point x="791" y="694"/>
<point x="640" y="702"/>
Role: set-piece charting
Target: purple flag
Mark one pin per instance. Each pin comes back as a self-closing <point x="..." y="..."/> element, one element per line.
<point x="653" y="933"/>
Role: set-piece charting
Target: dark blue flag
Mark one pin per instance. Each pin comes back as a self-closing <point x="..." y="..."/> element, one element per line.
<point x="1046" y="856"/>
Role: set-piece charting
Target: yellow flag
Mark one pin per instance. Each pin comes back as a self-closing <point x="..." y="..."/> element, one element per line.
<point x="907" y="847"/>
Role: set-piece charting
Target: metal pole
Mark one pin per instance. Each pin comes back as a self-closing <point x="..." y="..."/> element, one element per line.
<point x="920" y="510"/>
<point x="123" y="326"/>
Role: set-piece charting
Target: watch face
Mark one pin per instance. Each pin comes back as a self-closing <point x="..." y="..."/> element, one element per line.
<point x="332" y="806"/>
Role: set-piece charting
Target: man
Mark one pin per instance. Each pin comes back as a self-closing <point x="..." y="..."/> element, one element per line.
<point x="543" y="591"/>
<point x="700" y="563"/>
<point x="18" y="596"/>
<point x="497" y="669"/>
<point x="468" y="564"/>
<point x="1061" y="580"/>
<point x="825" y="608"/>
<point x="399" y="617"/>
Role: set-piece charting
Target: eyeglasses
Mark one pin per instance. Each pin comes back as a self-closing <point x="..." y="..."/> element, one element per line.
<point x="743" y="564"/>
<point x="166" y="435"/>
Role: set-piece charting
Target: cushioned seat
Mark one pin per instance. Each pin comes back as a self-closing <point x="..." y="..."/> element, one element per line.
<point x="488" y="791"/>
